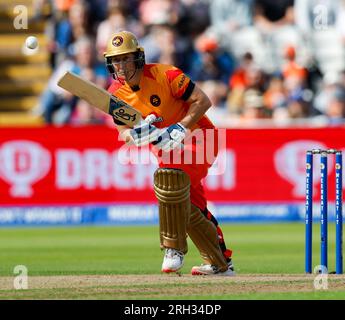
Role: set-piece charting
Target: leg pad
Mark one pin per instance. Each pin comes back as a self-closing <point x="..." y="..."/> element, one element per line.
<point x="204" y="235"/>
<point x="172" y="189"/>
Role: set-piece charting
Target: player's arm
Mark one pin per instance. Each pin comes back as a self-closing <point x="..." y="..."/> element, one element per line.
<point x="199" y="103"/>
<point x="172" y="136"/>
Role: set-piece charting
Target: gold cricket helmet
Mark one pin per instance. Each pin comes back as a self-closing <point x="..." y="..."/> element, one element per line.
<point x="121" y="43"/>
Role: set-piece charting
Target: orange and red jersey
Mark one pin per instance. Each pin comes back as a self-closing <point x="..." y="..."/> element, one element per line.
<point x="163" y="90"/>
<point x="292" y="69"/>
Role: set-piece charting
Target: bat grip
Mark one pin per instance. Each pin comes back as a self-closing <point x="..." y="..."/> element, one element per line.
<point x="151" y="118"/>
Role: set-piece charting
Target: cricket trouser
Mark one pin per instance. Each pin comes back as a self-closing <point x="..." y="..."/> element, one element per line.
<point x="197" y="171"/>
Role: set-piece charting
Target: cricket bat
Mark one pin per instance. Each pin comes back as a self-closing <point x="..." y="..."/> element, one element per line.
<point x="100" y="98"/>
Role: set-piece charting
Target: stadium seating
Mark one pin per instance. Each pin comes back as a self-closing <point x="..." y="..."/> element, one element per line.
<point x="329" y="50"/>
<point x="249" y="39"/>
<point x="287" y="36"/>
<point x="23" y="74"/>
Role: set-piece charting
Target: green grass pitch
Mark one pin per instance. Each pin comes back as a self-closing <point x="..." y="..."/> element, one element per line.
<point x="258" y="249"/>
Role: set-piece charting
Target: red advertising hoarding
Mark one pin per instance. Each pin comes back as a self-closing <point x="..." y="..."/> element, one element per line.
<point x="70" y="165"/>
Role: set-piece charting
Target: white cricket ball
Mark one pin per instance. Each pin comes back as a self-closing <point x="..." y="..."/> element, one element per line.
<point x="31" y="42"/>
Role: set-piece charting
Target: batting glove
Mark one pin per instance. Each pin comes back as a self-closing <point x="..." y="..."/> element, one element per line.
<point x="171" y="137"/>
<point x="144" y="133"/>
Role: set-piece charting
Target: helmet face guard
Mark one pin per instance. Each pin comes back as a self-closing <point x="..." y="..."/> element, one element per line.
<point x="122" y="43"/>
<point x="139" y="61"/>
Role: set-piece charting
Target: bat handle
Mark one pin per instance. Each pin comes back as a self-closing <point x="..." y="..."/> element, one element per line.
<point x="151" y="118"/>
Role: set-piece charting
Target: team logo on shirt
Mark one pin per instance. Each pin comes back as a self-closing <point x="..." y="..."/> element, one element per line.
<point x="155" y="100"/>
<point x="181" y="82"/>
<point x="117" y="41"/>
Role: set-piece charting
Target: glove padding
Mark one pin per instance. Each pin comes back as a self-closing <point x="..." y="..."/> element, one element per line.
<point x="171" y="137"/>
<point x="144" y="133"/>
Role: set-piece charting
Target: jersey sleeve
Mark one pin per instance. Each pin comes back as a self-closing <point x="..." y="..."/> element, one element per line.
<point x="180" y="84"/>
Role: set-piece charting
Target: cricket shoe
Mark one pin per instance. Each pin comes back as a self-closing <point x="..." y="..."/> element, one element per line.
<point x="210" y="270"/>
<point x="173" y="260"/>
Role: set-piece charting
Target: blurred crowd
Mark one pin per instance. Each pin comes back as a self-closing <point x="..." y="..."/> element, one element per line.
<point x="259" y="61"/>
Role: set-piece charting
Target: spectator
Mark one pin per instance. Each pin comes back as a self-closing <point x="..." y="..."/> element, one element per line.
<point x="164" y="44"/>
<point x="64" y="5"/>
<point x="210" y="61"/>
<point x="275" y="96"/>
<point x="331" y="83"/>
<point x="342" y="78"/>
<point x="314" y="75"/>
<point x="298" y="107"/>
<point x="172" y="50"/>
<point x="99" y="12"/>
<point x="239" y="79"/>
<point x="216" y="92"/>
<point x="194" y="35"/>
<point x="56" y="104"/>
<point x="79" y="18"/>
<point x="295" y="82"/>
<point x="53" y="97"/>
<point x="58" y="31"/>
<point x="160" y="12"/>
<point x="227" y="16"/>
<point x="291" y="68"/>
<point x="254" y="107"/>
<point x="85" y="114"/>
<point x="39" y="11"/>
<point x="115" y="21"/>
<point x="253" y="79"/>
<point x="84" y="52"/>
<point x="335" y="110"/>
<point x="269" y="14"/>
<point x="89" y="68"/>
<point x="70" y="22"/>
<point x="194" y="19"/>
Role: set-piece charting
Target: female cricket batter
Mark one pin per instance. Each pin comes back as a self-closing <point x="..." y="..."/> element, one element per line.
<point x="174" y="109"/>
